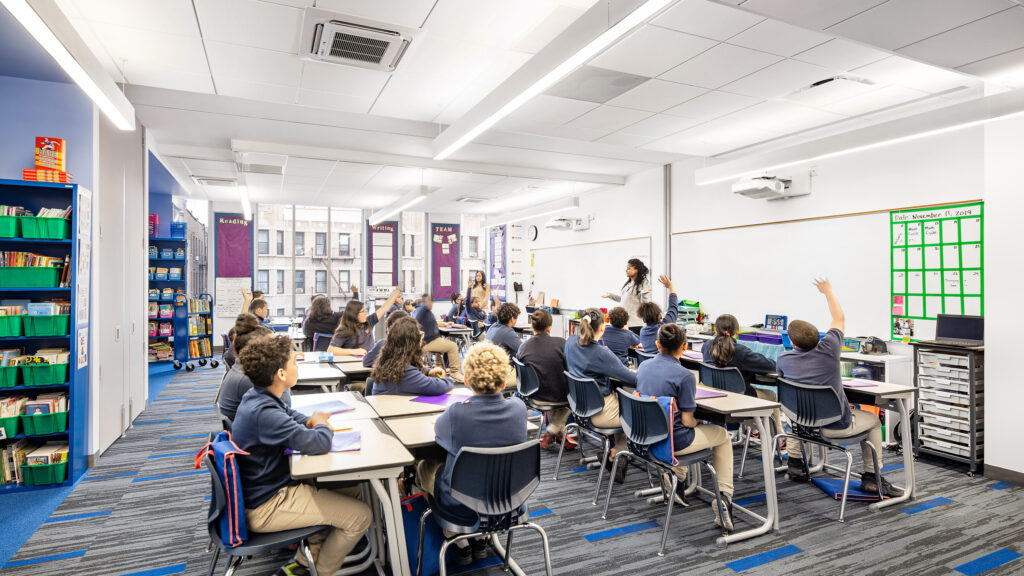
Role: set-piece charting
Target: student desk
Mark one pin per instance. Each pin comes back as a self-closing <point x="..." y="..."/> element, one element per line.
<point x="353" y="368"/>
<point x="325" y="375"/>
<point x="457" y="332"/>
<point x="379" y="461"/>
<point x="522" y="329"/>
<point x="297" y="337"/>
<point x="361" y="408"/>
<point x="394" y="405"/>
<point x="418" y="431"/>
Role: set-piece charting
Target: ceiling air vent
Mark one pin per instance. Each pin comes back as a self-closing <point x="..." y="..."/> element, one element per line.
<point x="343" y="39"/>
<point x="470" y="200"/>
<point x="215" y="182"/>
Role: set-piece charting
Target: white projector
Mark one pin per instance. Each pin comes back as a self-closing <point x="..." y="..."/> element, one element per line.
<point x="765" y="188"/>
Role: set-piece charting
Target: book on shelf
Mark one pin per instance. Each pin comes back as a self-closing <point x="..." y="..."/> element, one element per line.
<point x="14" y="210"/>
<point x="7" y="355"/>
<point x="47" y="404"/>
<point x="12" y="406"/>
<point x="51" y="308"/>
<point x="43" y="356"/>
<point x="13" y="457"/>
<point x="49" y="453"/>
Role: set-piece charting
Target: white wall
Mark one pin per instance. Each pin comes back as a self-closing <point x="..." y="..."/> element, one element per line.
<point x="1004" y="205"/>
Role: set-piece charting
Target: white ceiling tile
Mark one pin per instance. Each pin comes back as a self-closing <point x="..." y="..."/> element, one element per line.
<point x="1006" y="68"/>
<point x="150" y="49"/>
<point x="211" y="168"/>
<point x="829" y="93"/>
<point x="308" y="167"/>
<point x="656" y="95"/>
<point x="650" y="51"/>
<point x="875" y="100"/>
<point x="498" y="24"/>
<point x="712" y="138"/>
<point x="659" y="126"/>
<point x="779" y="79"/>
<point x="712" y="105"/>
<point x="240" y="88"/>
<point x="911" y="74"/>
<point x="164" y="16"/>
<point x="557" y="21"/>
<point x="544" y="110"/>
<point x="342" y="79"/>
<point x="623" y="139"/>
<point x="253" y="64"/>
<point x="707" y="19"/>
<point x="720" y="65"/>
<point x="841" y="54"/>
<point x="171" y="79"/>
<point x="781" y="117"/>
<point x="250" y="23"/>
<point x="813" y="14"/>
<point x="978" y="40"/>
<point x="898" y="23"/>
<point x="779" y="38"/>
<point x="603" y="120"/>
<point x="335" y="101"/>
<point x="352" y="174"/>
<point x="409" y="13"/>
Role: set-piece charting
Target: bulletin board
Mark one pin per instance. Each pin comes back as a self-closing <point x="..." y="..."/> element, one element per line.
<point x="382" y="251"/>
<point x="444" y="260"/>
<point x="937" y="267"/>
<point x="498" y="261"/>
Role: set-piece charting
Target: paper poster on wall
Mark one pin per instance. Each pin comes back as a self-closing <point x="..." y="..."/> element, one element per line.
<point x="82" y="347"/>
<point x="382" y="252"/>
<point x="83" y="272"/>
<point x="228" y="299"/>
<point x="496" y="237"/>
<point x="233" y="235"/>
<point x="445" y="252"/>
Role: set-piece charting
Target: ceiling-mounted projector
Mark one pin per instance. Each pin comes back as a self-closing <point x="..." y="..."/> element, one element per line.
<point x="559" y="224"/>
<point x="766" y="188"/>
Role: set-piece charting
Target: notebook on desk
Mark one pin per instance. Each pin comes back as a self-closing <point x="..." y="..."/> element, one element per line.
<point x="953" y="330"/>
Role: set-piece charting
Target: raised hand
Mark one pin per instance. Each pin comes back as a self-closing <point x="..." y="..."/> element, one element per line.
<point x="823" y="285"/>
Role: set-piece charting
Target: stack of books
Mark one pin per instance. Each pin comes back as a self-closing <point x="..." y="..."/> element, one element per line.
<point x="47" y="404"/>
<point x="14" y="211"/>
<point x="13" y="457"/>
<point x="51" y="308"/>
<point x="49" y="453"/>
<point x="199" y="348"/>
<point x="7" y="356"/>
<point x="43" y="356"/>
<point x="51" y="162"/>
<point x="160" y="352"/>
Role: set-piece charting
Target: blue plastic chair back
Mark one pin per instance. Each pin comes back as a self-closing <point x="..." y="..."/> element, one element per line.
<point x="726" y="379"/>
<point x="643" y="420"/>
<point x="496" y="481"/>
<point x="810" y="406"/>
<point x="321" y="341"/>
<point x="642" y="356"/>
<point x="527" y="380"/>
<point x="585" y="398"/>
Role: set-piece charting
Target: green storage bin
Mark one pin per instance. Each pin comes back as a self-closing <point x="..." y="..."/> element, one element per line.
<point x="10" y="326"/>
<point x="8" y="376"/>
<point x="45" y="228"/>
<point x="43" y="474"/>
<point x="10" y="227"/>
<point x="44" y="423"/>
<point x="46" y="325"/>
<point x="29" y="277"/>
<point x="10" y="426"/>
<point x="44" y="374"/>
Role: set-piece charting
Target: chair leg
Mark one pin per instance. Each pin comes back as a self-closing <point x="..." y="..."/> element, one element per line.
<point x="233" y="565"/>
<point x="213" y="563"/>
<point x="544" y="541"/>
<point x="846" y="484"/>
<point x="310" y="562"/>
<point x="608" y="497"/>
<point x="746" y="444"/>
<point x="668" y="515"/>
<point x="508" y="551"/>
<point x="419" y="550"/>
<point x="600" y="470"/>
<point x="561" y="448"/>
<point x="878" y="471"/>
<point x="718" y="493"/>
<point x="442" y="570"/>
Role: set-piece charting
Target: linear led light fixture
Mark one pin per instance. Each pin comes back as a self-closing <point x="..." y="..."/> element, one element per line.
<point x="398" y="207"/>
<point x="243" y="194"/>
<point x="34" y="25"/>
<point x="607" y="38"/>
<point x="537" y="212"/>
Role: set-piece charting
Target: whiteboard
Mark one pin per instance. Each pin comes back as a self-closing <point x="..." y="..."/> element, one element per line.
<point x="750" y="272"/>
<point x="578" y="274"/>
<point x="228" y="300"/>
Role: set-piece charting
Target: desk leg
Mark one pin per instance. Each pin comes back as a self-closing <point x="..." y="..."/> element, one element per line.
<point x="391" y="505"/>
<point x="908" y="459"/>
<point x="771" y="521"/>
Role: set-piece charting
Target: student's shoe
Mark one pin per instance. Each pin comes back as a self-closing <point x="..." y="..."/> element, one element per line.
<point x="868" y="485"/>
<point x="479" y="548"/>
<point x="620" y="472"/>
<point x="293" y="569"/>
<point x="462" y="556"/>
<point x="548" y="441"/>
<point x="726" y="521"/>
<point x="680" y="494"/>
<point x="796" y="470"/>
<point x="570" y="444"/>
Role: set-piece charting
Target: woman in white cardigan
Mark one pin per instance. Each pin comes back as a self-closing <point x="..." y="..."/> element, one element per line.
<point x="637" y="289"/>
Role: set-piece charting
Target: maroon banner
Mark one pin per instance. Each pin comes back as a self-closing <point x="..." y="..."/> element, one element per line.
<point x="444" y="260"/>
<point x="234" y="245"/>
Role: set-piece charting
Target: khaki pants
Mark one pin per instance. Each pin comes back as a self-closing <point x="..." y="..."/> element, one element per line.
<point x="304" y="505"/>
<point x="426" y="473"/>
<point x="862" y="422"/>
<point x="445" y="346"/>
<point x="776" y="415"/>
<point x="557" y="417"/>
<point x="718" y="439"/>
<point x="609" y="418"/>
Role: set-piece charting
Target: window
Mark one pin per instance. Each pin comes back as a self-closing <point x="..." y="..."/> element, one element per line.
<point x="300" y="281"/>
<point x="344" y="249"/>
<point x="343" y="280"/>
<point x="321" y="244"/>
<point x="321" y="281"/>
<point x="300" y="312"/>
<point x="280" y="312"/>
<point x="300" y="243"/>
<point x="280" y="281"/>
<point x="263" y="281"/>
<point x="280" y="242"/>
<point x="408" y="245"/>
<point x="410" y="281"/>
<point x="263" y="241"/>
<point x="472" y="246"/>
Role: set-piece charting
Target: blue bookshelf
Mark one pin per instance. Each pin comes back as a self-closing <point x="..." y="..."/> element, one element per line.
<point x="36" y="195"/>
<point x="181" y="338"/>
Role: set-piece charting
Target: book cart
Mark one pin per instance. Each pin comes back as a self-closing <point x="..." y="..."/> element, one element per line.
<point x="180" y="327"/>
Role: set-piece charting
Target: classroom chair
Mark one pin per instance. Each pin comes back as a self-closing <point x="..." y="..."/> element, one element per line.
<point x="225" y="422"/>
<point x="527" y="384"/>
<point x="259" y="543"/>
<point x="645" y="423"/>
<point x="321" y="341"/>
<point x="586" y="400"/>
<point x="495" y="484"/>
<point x="729" y="379"/>
<point x="641" y="356"/>
<point x="810" y="408"/>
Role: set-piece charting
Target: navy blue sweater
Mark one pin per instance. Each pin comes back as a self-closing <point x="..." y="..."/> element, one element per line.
<point x="619" y="341"/>
<point x="597" y="362"/>
<point x="649" y="333"/>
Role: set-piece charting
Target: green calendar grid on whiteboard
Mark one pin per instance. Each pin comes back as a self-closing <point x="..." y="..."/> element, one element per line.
<point x="937" y="267"/>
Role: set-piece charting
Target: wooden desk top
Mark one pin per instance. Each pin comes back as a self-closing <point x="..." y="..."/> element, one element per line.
<point x="379" y="450"/>
<point x="394" y="405"/>
<point x="736" y="404"/>
<point x="879" y="390"/>
<point x="313" y="373"/>
<point x="418" y="431"/>
<point x="362" y="409"/>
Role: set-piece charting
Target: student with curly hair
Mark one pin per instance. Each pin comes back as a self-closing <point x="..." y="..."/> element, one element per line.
<point x="235" y="383"/>
<point x="373" y="353"/>
<point x="617" y="337"/>
<point x="400" y="367"/>
<point x="503" y="334"/>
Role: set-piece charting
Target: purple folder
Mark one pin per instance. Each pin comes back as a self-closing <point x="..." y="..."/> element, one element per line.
<point x="347" y="441"/>
<point x="441" y="399"/>
<point x="327" y="406"/>
<point x="693" y="354"/>
<point x="704" y="394"/>
<point x="854" y="383"/>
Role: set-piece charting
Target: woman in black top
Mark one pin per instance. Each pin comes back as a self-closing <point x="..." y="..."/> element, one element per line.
<point x="319" y="320"/>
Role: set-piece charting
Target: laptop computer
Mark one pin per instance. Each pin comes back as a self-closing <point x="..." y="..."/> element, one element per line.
<point x="959" y="330"/>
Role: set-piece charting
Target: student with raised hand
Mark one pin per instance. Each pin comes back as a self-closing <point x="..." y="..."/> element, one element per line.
<point x="399" y="369"/>
<point x="653" y="319"/>
<point x="486" y="420"/>
<point x="373" y="353"/>
<point x="235" y="383"/>
<point x="503" y="333"/>
<point x="588" y="359"/>
<point x="816" y="363"/>
<point x="320" y="319"/>
<point x="617" y="337"/>
<point x="456" y="310"/>
<point x="635" y="291"/>
<point x="265" y="426"/>
<point x="546" y="354"/>
<point x="354" y="335"/>
<point x="253" y="303"/>
<point x="432" y="340"/>
<point x="663" y="375"/>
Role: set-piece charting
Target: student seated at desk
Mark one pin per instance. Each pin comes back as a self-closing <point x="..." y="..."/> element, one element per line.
<point x="373" y="353"/>
<point x="503" y="333"/>
<point x="588" y="359"/>
<point x="235" y="383"/>
<point x="354" y="335"/>
<point x="817" y="364"/>
<point x="475" y="315"/>
<point x="617" y="337"/>
<point x="253" y="303"/>
<point x="492" y="316"/>
<point x="546" y="354"/>
<point x="228" y="356"/>
<point x="264" y="427"/>
<point x="410" y="305"/>
<point x="399" y="369"/>
<point x="432" y="340"/>
<point x="320" y="319"/>
<point x="663" y="375"/>
<point x="486" y="420"/>
<point x="653" y="320"/>
<point x="456" y="310"/>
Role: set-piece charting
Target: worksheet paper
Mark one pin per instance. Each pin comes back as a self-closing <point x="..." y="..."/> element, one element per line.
<point x="899" y="258"/>
<point x="914" y="233"/>
<point x="916" y="284"/>
<point x="899" y="282"/>
<point x="446" y="276"/>
<point x="932" y="305"/>
<point x="915" y="306"/>
<point x="915" y="258"/>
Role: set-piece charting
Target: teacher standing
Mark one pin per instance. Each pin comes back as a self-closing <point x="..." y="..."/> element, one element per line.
<point x="478" y="288"/>
<point x="637" y="289"/>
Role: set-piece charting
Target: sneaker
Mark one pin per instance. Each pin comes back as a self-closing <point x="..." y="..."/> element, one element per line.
<point x="570" y="443"/>
<point x="479" y="548"/>
<point x="293" y="569"/>
<point x="796" y="470"/>
<point x="463" y="556"/>
<point x="726" y="520"/>
<point x="680" y="494"/>
<point x="549" y="441"/>
<point x="868" y="485"/>
<point x="620" y="472"/>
